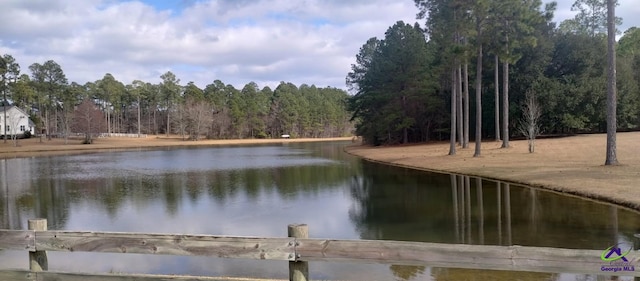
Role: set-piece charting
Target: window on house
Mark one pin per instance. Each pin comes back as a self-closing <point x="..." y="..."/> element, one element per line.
<point x="21" y="128"/>
<point x="8" y="128"/>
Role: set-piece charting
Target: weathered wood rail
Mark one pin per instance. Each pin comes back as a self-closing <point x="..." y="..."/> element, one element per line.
<point x="296" y="249"/>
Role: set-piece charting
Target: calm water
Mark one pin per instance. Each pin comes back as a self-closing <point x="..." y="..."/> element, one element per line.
<point x="259" y="190"/>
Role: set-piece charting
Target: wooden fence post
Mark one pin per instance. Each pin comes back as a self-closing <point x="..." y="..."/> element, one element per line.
<point x="636" y="246"/>
<point x="38" y="259"/>
<point x="298" y="270"/>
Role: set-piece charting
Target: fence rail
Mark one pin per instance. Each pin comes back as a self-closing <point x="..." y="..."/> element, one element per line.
<point x="118" y="135"/>
<point x="299" y="250"/>
<point x="23" y="275"/>
<point x="164" y="244"/>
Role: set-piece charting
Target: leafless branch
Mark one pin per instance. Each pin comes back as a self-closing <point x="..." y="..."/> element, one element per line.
<point x="530" y="124"/>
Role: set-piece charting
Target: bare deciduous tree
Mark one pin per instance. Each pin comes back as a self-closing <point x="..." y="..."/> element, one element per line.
<point x="194" y="117"/>
<point x="180" y="119"/>
<point x="13" y="122"/>
<point x="530" y="123"/>
<point x="200" y="116"/>
<point x="89" y="120"/>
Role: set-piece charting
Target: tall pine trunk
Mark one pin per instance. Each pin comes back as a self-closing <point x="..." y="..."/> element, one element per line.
<point x="478" y="139"/>
<point x="405" y="131"/>
<point x="139" y="124"/>
<point x="452" y="136"/>
<point x="4" y="112"/>
<point x="460" y="111"/>
<point x="611" y="89"/>
<point x="168" y="121"/>
<point x="155" y="121"/>
<point x="46" y="122"/>
<point x="465" y="142"/>
<point x="505" y="105"/>
<point x="49" y="125"/>
<point x="55" y="120"/>
<point x="497" y="98"/>
<point x="505" y="98"/>
<point x="109" y="119"/>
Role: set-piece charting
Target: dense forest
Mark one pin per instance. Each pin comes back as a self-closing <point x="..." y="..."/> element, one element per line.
<point x="472" y="62"/>
<point x="481" y="60"/>
<point x="60" y="108"/>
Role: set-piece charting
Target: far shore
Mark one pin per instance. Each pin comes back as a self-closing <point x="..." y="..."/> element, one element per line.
<point x="571" y="165"/>
<point x="35" y="147"/>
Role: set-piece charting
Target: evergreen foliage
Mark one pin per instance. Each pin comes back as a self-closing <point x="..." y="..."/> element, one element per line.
<point x="565" y="64"/>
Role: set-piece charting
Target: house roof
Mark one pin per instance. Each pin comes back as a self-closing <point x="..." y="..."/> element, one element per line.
<point x="7" y="108"/>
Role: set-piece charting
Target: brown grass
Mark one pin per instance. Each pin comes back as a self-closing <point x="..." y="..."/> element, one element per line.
<point x="36" y="147"/>
<point x="573" y="165"/>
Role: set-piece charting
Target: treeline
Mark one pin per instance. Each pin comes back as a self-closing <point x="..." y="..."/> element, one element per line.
<point x="469" y="69"/>
<point x="217" y="111"/>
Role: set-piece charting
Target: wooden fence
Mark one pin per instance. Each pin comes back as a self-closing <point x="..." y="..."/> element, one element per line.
<point x="297" y="249"/>
<point x="119" y="135"/>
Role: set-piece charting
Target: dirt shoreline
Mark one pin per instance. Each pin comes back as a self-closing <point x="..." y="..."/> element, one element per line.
<point x="35" y="147"/>
<point x="571" y="165"/>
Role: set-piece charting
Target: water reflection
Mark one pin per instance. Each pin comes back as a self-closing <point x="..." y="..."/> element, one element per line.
<point x="176" y="190"/>
<point x="46" y="187"/>
<point x="459" y="274"/>
<point x="411" y="205"/>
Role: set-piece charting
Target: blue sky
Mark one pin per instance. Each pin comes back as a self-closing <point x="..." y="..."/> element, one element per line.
<point x="167" y="4"/>
<point x="235" y="41"/>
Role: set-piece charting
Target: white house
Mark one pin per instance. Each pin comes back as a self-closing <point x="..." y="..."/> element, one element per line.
<point x="17" y="121"/>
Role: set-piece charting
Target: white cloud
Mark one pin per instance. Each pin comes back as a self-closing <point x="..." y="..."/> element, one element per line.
<point x="236" y="41"/>
<point x="627" y="10"/>
<point x="310" y="42"/>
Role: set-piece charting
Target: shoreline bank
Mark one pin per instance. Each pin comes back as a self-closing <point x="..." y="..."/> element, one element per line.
<point x="35" y="148"/>
<point x="571" y="165"/>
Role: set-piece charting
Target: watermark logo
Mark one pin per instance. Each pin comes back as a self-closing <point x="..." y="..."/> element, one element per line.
<point x="614" y="253"/>
<point x="616" y="259"/>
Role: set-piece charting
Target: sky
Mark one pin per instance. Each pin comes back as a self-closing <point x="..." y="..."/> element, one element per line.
<point x="235" y="41"/>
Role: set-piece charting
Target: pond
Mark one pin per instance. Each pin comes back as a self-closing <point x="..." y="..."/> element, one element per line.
<point x="259" y="190"/>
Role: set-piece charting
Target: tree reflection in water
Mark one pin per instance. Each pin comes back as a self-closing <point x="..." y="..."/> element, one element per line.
<point x="400" y="204"/>
<point x="349" y="198"/>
